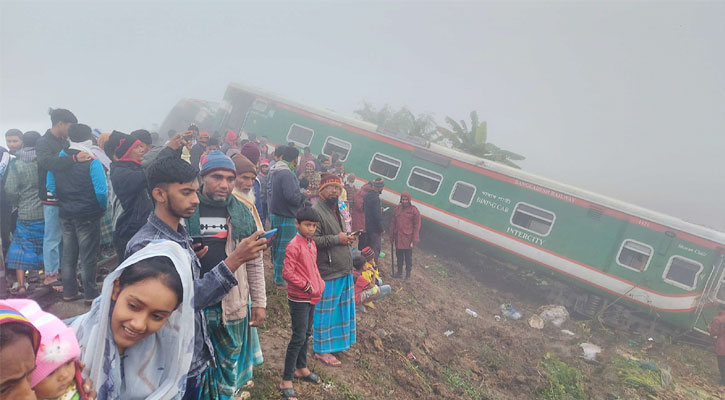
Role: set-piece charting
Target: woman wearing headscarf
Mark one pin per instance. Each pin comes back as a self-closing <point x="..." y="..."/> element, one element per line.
<point x="313" y="180"/>
<point x="19" y="343"/>
<point x="137" y="340"/>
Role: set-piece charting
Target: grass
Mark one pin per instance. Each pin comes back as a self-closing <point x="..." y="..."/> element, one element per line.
<point x="633" y="375"/>
<point x="462" y="384"/>
<point x="565" y="382"/>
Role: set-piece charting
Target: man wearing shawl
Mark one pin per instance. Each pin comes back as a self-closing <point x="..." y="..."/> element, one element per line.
<point x="405" y="233"/>
<point x="222" y="221"/>
<point x="21" y="187"/>
<point x="334" y="323"/>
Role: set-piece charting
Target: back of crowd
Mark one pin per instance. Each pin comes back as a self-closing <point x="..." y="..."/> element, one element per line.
<point x="186" y="221"/>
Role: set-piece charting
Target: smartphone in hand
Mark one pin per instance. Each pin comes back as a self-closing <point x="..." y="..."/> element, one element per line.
<point x="268" y="234"/>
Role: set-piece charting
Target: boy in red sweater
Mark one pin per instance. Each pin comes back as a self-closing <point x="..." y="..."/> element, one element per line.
<point x="304" y="289"/>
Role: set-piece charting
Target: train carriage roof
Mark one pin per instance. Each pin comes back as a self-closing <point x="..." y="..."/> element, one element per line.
<point x="634" y="210"/>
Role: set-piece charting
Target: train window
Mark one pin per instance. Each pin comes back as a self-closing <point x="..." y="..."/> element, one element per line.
<point x="533" y="219"/>
<point x="720" y="295"/>
<point x="682" y="272"/>
<point x="334" y="145"/>
<point x="260" y="105"/>
<point x="385" y="166"/>
<point x="300" y="135"/>
<point x="462" y="194"/>
<point x="634" y="255"/>
<point x="425" y="180"/>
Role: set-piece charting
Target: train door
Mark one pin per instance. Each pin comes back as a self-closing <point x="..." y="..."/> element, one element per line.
<point x="713" y="295"/>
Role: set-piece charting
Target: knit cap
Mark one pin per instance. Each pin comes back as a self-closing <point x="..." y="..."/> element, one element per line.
<point x="329" y="179"/>
<point x="368" y="253"/>
<point x="79" y="133"/>
<point x="58" y="343"/>
<point x="10" y="313"/>
<point x="204" y="134"/>
<point x="243" y="165"/>
<point x="378" y="183"/>
<point x="251" y="151"/>
<point x="216" y="160"/>
<point x="264" y="162"/>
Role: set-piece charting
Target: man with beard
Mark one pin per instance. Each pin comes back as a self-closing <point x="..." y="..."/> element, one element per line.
<point x="244" y="186"/>
<point x="334" y="323"/>
<point x="173" y="186"/>
<point x="286" y="199"/>
<point x="222" y="221"/>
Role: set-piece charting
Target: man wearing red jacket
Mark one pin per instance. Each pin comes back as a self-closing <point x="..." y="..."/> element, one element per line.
<point x="304" y="290"/>
<point x="717" y="330"/>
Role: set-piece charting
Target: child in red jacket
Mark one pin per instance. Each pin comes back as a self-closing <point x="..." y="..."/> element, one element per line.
<point x="304" y="289"/>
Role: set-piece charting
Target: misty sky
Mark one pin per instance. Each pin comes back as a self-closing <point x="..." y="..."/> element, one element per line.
<point x="623" y="98"/>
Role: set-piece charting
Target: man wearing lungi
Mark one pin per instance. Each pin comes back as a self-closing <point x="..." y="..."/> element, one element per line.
<point x="334" y="323"/>
<point x="286" y="198"/>
<point x="222" y="221"/>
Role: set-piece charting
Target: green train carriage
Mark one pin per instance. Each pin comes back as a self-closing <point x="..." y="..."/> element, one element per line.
<point x="656" y="265"/>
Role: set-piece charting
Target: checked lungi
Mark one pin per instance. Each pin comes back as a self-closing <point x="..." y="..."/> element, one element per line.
<point x="26" y="249"/>
<point x="334" y="323"/>
<point x="286" y="230"/>
<point x="237" y="351"/>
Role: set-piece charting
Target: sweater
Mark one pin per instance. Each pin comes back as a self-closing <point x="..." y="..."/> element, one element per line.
<point x="304" y="282"/>
<point x="285" y="196"/>
<point x="334" y="260"/>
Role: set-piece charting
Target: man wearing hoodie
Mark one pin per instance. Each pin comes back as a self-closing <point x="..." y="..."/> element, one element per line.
<point x="83" y="197"/>
<point x="405" y="233"/>
<point x="286" y="198"/>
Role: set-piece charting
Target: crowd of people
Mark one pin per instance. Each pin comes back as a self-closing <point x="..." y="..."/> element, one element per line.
<point x="186" y="219"/>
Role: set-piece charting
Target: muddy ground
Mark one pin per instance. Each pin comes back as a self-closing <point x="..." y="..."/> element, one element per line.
<point x="402" y="352"/>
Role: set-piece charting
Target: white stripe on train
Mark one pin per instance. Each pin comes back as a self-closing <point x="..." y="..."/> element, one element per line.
<point x="592" y="277"/>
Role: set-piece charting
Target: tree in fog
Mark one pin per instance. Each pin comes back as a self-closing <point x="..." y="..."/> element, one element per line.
<point x="402" y="120"/>
<point x="473" y="140"/>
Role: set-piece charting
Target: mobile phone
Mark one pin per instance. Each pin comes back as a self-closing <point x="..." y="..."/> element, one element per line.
<point x="197" y="239"/>
<point x="357" y="233"/>
<point x="79" y="382"/>
<point x="268" y="234"/>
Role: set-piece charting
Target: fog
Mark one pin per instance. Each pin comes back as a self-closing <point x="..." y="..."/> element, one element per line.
<point x="622" y="98"/>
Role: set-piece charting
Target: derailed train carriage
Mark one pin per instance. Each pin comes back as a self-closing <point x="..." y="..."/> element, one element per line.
<point x="624" y="263"/>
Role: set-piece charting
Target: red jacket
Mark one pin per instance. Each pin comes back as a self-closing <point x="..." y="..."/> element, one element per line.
<point x="405" y="225"/>
<point x="304" y="282"/>
<point x="356" y="209"/>
<point x="717" y="329"/>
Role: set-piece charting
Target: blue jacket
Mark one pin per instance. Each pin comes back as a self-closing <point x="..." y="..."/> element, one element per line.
<point x="258" y="201"/>
<point x="285" y="196"/>
<point x="208" y="290"/>
<point x="81" y="189"/>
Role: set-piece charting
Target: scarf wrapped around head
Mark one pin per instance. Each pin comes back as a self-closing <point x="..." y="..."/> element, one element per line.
<point x="156" y="367"/>
<point x="242" y="221"/>
<point x="9" y="314"/>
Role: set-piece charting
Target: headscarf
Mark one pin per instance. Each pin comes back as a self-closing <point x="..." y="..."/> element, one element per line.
<point x="156" y="367"/>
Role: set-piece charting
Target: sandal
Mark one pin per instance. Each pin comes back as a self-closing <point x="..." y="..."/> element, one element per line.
<point x="287" y="392"/>
<point x="19" y="290"/>
<point x="73" y="298"/>
<point x="312" y="377"/>
<point x="328" y="359"/>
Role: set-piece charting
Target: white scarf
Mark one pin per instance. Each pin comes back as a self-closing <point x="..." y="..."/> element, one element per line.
<point x="86" y="145"/>
<point x="156" y="367"/>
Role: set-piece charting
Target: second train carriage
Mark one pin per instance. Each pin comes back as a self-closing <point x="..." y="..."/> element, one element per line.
<point x="657" y="266"/>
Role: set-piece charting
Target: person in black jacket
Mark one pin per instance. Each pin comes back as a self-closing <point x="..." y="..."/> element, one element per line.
<point x="130" y="187"/>
<point x="83" y="197"/>
<point x="198" y="149"/>
<point x="374" y="216"/>
<point x="47" y="151"/>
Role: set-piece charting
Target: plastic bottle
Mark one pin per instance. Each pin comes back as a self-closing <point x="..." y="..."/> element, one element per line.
<point x="471" y="313"/>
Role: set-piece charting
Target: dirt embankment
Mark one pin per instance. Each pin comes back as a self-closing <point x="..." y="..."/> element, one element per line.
<point x="403" y="352"/>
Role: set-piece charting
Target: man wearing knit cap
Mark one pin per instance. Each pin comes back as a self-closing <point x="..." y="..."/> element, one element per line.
<point x="374" y="216"/>
<point x="83" y="197"/>
<point x="334" y="323"/>
<point x="222" y="221"/>
<point x="251" y="151"/>
<point x="285" y="198"/>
